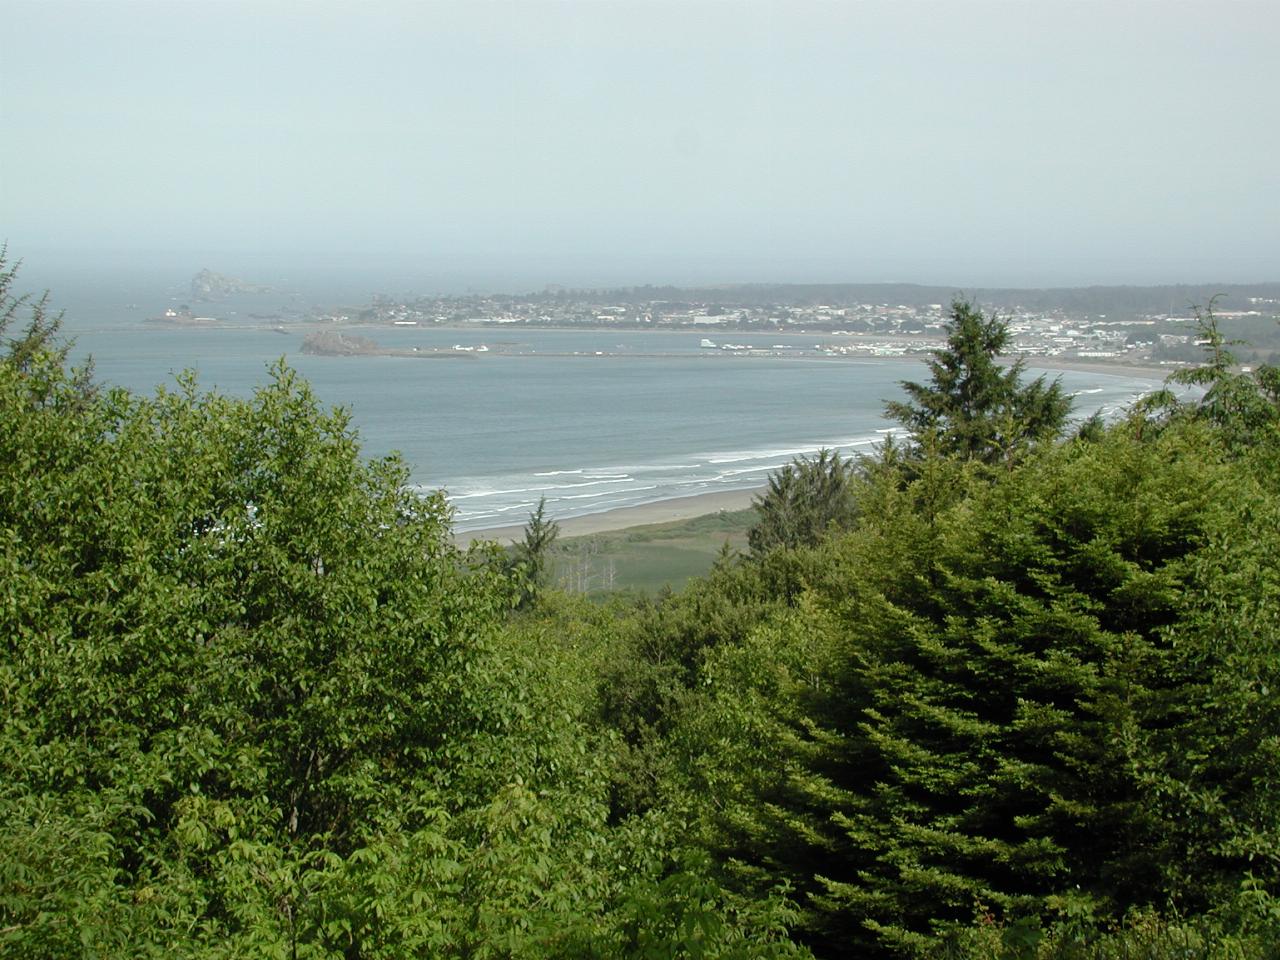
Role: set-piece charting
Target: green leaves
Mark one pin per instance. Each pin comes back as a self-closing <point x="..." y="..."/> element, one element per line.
<point x="255" y="703"/>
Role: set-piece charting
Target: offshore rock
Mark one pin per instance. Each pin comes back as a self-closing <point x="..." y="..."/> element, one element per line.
<point x="330" y="343"/>
<point x="207" y="285"/>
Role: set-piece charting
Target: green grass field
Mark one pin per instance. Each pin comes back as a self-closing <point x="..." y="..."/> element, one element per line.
<point x="649" y="557"/>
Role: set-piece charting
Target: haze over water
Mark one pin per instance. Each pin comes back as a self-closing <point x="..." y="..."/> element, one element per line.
<point x="509" y="144"/>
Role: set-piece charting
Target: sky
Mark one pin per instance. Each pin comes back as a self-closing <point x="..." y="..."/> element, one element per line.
<point x="590" y="142"/>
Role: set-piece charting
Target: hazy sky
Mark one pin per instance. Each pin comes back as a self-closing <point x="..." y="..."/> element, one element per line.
<point x="1020" y="143"/>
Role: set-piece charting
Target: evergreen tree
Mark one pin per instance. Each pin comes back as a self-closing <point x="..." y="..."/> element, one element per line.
<point x="39" y="337"/>
<point x="1052" y="695"/>
<point x="1244" y="405"/>
<point x="533" y="553"/>
<point x="975" y="408"/>
<point x="805" y="500"/>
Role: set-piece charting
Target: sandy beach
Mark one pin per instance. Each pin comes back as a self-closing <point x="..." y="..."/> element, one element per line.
<point x="685" y="508"/>
<point x="1150" y="372"/>
<point x="663" y="511"/>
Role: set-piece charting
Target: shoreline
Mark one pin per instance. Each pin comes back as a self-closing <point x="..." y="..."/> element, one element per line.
<point x="1142" y="371"/>
<point x="688" y="507"/>
<point x="1147" y="371"/>
<point x="1116" y="368"/>
<point x="608" y="521"/>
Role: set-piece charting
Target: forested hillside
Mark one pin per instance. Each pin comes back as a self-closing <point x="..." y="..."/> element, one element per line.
<point x="1008" y="689"/>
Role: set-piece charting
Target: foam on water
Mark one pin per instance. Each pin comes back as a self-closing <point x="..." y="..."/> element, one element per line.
<point x="482" y="502"/>
<point x="510" y="499"/>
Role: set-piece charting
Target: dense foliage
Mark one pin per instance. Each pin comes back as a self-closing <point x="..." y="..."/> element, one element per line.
<point x="256" y="702"/>
<point x="1027" y="700"/>
<point x="1003" y="710"/>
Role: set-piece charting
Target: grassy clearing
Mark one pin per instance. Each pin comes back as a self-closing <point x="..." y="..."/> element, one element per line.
<point x="649" y="557"/>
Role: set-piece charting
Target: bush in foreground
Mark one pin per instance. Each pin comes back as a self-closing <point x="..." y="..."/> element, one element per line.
<point x="255" y="703"/>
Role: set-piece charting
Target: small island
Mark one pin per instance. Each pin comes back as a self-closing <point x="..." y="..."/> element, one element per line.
<point x="331" y="343"/>
<point x="207" y="285"/>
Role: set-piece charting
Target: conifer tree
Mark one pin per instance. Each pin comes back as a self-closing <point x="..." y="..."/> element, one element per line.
<point x="1245" y="405"/>
<point x="533" y="553"/>
<point x="1028" y="708"/>
<point x="39" y="335"/>
<point x="804" y="500"/>
<point x="978" y="409"/>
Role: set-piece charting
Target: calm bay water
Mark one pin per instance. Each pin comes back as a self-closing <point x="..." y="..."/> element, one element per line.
<point x="588" y="419"/>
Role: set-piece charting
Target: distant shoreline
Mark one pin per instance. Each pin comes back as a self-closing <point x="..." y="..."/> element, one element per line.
<point x="1143" y="371"/>
<point x="660" y="511"/>
<point x="1118" y="369"/>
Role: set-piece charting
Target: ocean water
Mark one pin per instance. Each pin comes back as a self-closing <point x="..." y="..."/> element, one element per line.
<point x="592" y="420"/>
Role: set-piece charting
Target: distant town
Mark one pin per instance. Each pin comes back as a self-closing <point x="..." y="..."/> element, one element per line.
<point x="853" y="329"/>
<point x="1146" y="326"/>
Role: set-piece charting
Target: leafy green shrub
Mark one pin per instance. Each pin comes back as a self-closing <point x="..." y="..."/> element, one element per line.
<point x="255" y="703"/>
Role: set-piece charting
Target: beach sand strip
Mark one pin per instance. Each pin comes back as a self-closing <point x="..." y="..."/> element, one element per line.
<point x="661" y="511"/>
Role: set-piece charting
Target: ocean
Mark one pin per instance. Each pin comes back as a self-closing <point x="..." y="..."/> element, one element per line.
<point x="592" y="420"/>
